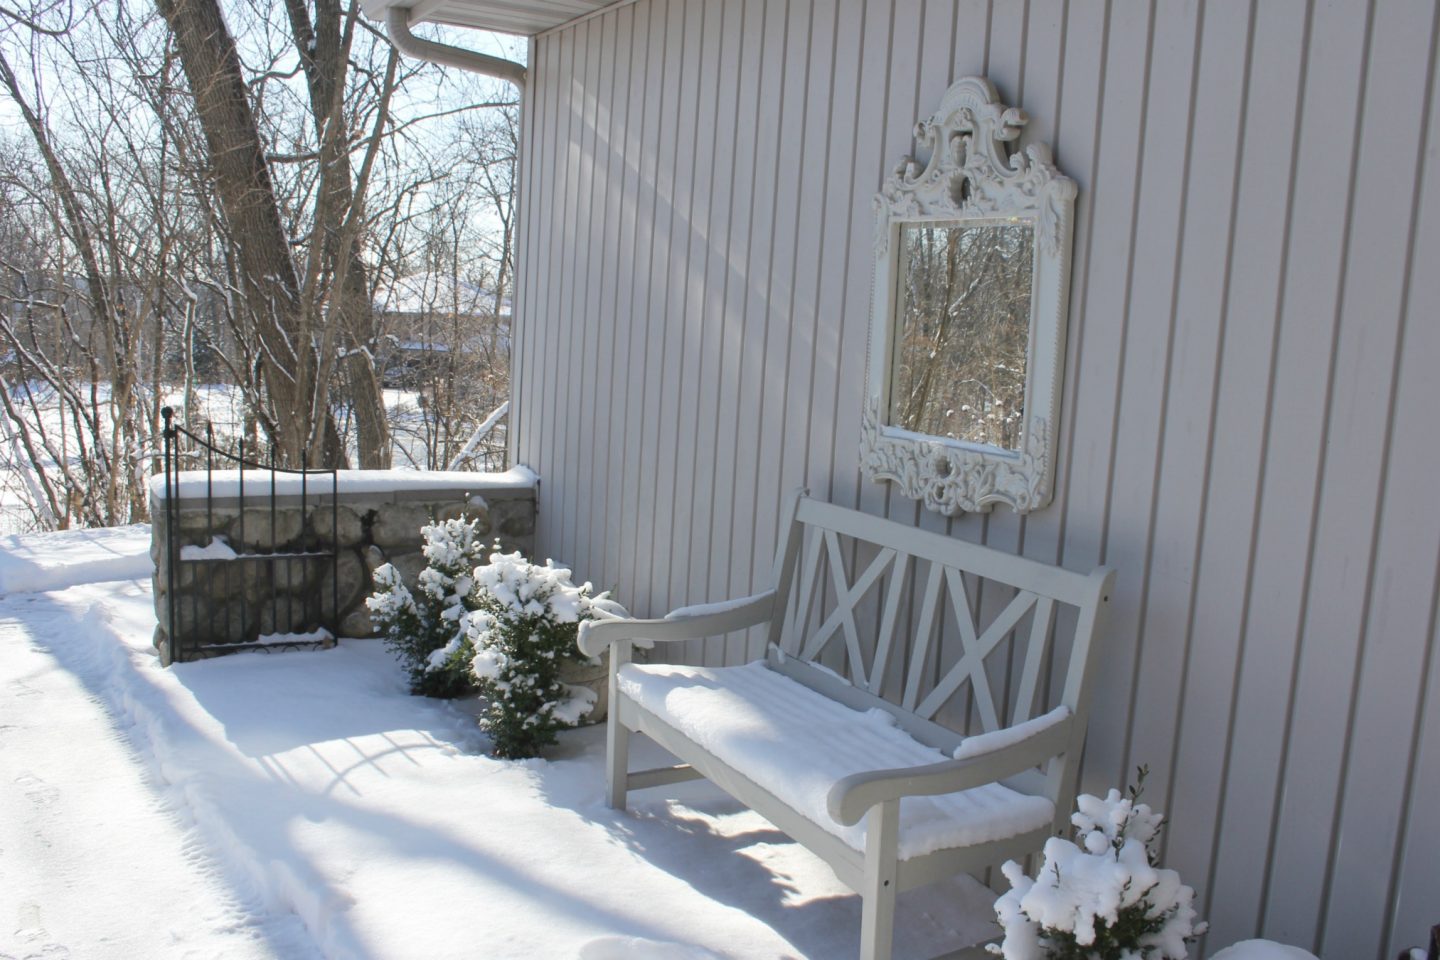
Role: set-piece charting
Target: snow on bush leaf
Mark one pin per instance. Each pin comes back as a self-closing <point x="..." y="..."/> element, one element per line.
<point x="523" y="627"/>
<point x="426" y="628"/>
<point x="1101" y="896"/>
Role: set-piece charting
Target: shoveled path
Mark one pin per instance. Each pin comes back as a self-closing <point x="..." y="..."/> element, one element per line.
<point x="95" y="861"/>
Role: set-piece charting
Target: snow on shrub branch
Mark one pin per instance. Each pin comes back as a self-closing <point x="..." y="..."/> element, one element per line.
<point x="427" y="631"/>
<point x="1101" y="896"/>
<point x="502" y="627"/>
<point x="524" y="628"/>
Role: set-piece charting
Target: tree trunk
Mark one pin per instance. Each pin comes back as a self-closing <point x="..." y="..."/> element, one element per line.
<point x="270" y="285"/>
<point x="324" y="48"/>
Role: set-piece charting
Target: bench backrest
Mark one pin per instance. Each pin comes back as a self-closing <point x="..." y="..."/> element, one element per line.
<point x="881" y="627"/>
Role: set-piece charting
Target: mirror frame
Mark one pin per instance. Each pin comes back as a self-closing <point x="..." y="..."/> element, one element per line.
<point x="968" y="173"/>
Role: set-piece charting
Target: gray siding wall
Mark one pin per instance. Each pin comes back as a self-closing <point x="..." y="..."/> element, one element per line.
<point x="1251" y="401"/>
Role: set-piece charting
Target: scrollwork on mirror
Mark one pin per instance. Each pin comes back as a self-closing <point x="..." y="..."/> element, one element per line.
<point x="972" y="263"/>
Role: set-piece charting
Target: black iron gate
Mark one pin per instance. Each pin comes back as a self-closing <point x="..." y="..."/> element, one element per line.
<point x="273" y="586"/>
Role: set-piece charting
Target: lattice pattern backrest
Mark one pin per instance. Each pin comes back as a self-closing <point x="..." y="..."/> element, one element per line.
<point x="871" y="598"/>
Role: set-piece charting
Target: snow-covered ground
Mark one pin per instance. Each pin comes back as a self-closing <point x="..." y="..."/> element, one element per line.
<point x="52" y="561"/>
<point x="303" y="805"/>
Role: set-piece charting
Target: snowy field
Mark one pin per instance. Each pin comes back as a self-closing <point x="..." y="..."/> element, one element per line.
<point x="303" y="805"/>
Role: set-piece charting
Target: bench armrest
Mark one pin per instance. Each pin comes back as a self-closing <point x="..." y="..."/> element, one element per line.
<point x="687" y="623"/>
<point x="853" y="796"/>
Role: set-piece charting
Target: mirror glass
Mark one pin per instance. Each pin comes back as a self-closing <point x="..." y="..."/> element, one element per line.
<point x="962" y="330"/>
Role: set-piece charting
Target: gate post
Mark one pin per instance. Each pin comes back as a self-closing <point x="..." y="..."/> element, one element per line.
<point x="172" y="492"/>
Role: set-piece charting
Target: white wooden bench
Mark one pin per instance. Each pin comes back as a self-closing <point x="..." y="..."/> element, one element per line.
<point x="875" y="785"/>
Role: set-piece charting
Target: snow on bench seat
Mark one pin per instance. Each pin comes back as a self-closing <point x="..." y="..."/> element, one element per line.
<point x="797" y="743"/>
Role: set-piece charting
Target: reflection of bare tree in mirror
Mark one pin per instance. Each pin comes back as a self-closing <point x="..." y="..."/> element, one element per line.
<point x="962" y="331"/>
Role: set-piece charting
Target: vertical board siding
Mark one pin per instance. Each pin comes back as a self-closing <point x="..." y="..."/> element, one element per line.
<point x="1260" y="667"/>
<point x="1411" y="528"/>
<point x="1362" y="420"/>
<point x="1248" y="411"/>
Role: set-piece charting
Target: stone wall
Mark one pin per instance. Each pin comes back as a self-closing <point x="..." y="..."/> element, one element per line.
<point x="273" y="587"/>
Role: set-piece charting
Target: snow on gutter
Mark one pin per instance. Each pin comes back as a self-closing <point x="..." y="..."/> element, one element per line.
<point x="397" y="24"/>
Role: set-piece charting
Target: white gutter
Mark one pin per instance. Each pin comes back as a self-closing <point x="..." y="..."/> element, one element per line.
<point x="397" y="23"/>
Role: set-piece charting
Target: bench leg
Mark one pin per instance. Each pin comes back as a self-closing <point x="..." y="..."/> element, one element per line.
<point x="617" y="751"/>
<point x="877" y="919"/>
<point x="617" y="735"/>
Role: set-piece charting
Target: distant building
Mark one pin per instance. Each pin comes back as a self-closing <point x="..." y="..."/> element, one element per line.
<point x="426" y="317"/>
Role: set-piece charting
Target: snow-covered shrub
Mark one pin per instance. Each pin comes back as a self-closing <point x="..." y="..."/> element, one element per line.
<point x="1102" y="896"/>
<point x="524" y="627"/>
<point x="426" y="629"/>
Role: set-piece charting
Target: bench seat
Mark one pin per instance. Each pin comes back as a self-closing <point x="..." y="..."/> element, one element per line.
<point x="798" y="744"/>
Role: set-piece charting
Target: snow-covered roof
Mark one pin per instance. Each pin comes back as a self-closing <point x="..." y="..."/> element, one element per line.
<point x="417" y="293"/>
<point x="522" y="17"/>
<point x="421" y="346"/>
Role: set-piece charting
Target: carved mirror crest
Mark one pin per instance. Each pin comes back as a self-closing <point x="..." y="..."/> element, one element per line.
<point x="967" y="342"/>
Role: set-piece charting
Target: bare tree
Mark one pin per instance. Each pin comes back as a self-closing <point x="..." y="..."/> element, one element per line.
<point x="324" y="49"/>
<point x="960" y="351"/>
<point x="446" y="342"/>
<point x="145" y="253"/>
<point x="297" y="416"/>
<point x="107" y="433"/>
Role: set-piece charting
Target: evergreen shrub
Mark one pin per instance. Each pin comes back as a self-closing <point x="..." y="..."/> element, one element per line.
<point x="426" y="628"/>
<point x="523" y="629"/>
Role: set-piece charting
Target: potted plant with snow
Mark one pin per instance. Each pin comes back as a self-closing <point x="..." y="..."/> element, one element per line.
<point x="1101" y="896"/>
<point x="426" y="627"/>
<point x="520" y="637"/>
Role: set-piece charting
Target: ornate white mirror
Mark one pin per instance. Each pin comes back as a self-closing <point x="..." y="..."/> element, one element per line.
<point x="967" y="343"/>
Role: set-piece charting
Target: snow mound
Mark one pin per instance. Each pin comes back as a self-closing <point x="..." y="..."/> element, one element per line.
<point x="37" y="562"/>
<point x="216" y="549"/>
<point x="983" y="743"/>
<point x="1261" y="950"/>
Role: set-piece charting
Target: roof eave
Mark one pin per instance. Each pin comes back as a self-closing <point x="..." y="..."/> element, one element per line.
<point x="519" y="17"/>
